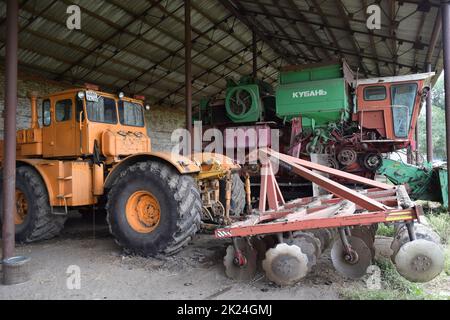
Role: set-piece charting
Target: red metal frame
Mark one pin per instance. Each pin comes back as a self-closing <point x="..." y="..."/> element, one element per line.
<point x="344" y="207"/>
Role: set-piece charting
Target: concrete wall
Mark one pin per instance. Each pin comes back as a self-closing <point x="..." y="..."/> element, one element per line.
<point x="161" y="120"/>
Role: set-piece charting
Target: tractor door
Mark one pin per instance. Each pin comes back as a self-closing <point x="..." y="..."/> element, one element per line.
<point x="59" y="128"/>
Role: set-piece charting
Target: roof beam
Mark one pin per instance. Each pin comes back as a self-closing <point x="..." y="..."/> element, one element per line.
<point x="237" y="10"/>
<point x="349" y="52"/>
<point x="305" y="20"/>
<point x="281" y="29"/>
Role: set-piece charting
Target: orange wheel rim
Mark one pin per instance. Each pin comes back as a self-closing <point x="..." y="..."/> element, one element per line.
<point x="143" y="212"/>
<point x="21" y="207"/>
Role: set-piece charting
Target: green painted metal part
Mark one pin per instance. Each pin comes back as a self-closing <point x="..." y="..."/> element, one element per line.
<point x="425" y="182"/>
<point x="243" y="103"/>
<point x="318" y="93"/>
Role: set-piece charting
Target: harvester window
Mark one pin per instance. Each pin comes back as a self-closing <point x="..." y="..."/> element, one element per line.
<point x="377" y="93"/>
<point x="63" y="110"/>
<point x="131" y="114"/>
<point x="103" y="110"/>
<point x="46" y="113"/>
<point x="403" y="97"/>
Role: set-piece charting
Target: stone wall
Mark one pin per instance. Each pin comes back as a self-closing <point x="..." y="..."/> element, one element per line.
<point x="161" y="120"/>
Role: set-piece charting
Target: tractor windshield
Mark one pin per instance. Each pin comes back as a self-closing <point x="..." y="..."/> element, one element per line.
<point x="101" y="109"/>
<point x="131" y="114"/>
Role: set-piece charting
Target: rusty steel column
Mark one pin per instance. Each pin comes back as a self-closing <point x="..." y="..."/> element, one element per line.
<point x="417" y="153"/>
<point x="429" y="122"/>
<point x="9" y="156"/>
<point x="445" y="11"/>
<point x="255" y="56"/>
<point x="188" y="67"/>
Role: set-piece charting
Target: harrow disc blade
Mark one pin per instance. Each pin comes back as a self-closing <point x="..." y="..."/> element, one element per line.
<point x="354" y="270"/>
<point x="402" y="237"/>
<point x="308" y="249"/>
<point x="285" y="265"/>
<point x="246" y="272"/>
<point x="366" y="235"/>
<point x="325" y="236"/>
<point x="420" y="260"/>
<point x="310" y="238"/>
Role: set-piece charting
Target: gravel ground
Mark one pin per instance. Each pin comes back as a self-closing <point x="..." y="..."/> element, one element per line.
<point x="195" y="273"/>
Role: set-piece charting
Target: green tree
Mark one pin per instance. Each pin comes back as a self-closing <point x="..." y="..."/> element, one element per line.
<point x="438" y="115"/>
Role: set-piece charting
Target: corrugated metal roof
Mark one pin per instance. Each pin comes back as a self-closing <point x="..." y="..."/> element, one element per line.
<point x="138" y="46"/>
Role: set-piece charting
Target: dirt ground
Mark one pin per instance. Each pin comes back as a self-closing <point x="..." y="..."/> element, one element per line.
<point x="196" y="273"/>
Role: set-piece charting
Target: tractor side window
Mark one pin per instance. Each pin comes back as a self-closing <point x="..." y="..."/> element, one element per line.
<point x="377" y="93"/>
<point x="63" y="110"/>
<point x="46" y="113"/>
<point x="131" y="114"/>
<point x="102" y="110"/>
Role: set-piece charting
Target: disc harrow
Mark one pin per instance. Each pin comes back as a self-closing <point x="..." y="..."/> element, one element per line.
<point x="295" y="234"/>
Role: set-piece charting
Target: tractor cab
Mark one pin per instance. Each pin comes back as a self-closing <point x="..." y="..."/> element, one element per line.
<point x="388" y="108"/>
<point x="80" y="122"/>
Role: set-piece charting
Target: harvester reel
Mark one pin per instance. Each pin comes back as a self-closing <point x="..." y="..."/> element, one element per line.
<point x="353" y="267"/>
<point x="420" y="260"/>
<point x="244" y="269"/>
<point x="285" y="265"/>
<point x="347" y="157"/>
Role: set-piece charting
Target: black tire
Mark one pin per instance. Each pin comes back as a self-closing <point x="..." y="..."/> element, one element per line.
<point x="180" y="207"/>
<point x="237" y="204"/>
<point x="40" y="223"/>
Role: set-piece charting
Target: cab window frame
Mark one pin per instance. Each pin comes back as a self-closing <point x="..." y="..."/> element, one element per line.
<point x="46" y="103"/>
<point x="375" y="87"/>
<point x="70" y="114"/>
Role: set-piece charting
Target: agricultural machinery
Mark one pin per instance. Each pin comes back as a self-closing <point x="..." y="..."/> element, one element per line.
<point x="92" y="150"/>
<point x="321" y="109"/>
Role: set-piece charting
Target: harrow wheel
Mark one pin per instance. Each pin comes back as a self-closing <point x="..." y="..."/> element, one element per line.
<point x="355" y="264"/>
<point x="420" y="260"/>
<point x="240" y="265"/>
<point x="285" y="265"/>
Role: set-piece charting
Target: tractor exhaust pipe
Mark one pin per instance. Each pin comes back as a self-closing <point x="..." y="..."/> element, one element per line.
<point x="34" y="115"/>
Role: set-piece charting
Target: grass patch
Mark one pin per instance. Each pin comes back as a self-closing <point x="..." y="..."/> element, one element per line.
<point x="386" y="230"/>
<point x="440" y="222"/>
<point x="393" y="287"/>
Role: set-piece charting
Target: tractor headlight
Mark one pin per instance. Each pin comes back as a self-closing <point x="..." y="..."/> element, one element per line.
<point x="147" y="107"/>
<point x="80" y="95"/>
<point x="121" y="95"/>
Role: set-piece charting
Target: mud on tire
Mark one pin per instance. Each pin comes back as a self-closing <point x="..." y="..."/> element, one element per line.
<point x="39" y="222"/>
<point x="237" y="204"/>
<point x="179" y="202"/>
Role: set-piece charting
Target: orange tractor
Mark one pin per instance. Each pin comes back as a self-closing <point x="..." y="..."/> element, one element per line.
<point x="92" y="150"/>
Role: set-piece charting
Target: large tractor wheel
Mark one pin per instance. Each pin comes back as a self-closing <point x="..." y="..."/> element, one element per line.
<point x="152" y="209"/>
<point x="34" y="219"/>
<point x="237" y="204"/>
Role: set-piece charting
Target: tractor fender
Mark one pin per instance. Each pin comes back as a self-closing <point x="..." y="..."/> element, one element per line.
<point x="182" y="164"/>
<point x="37" y="164"/>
